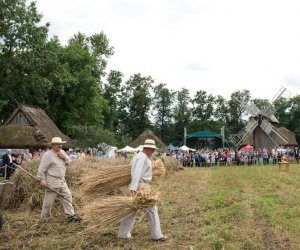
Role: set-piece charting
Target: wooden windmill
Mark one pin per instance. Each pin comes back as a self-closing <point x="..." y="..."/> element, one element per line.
<point x="260" y="127"/>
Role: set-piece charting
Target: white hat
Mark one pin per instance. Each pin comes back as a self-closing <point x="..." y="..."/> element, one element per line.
<point x="56" y="140"/>
<point x="149" y="144"/>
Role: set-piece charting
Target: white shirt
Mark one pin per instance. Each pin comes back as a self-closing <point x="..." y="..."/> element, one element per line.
<point x="141" y="170"/>
<point x="10" y="159"/>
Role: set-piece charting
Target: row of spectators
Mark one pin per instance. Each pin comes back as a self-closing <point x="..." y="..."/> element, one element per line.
<point x="230" y="156"/>
<point x="199" y="158"/>
<point x="18" y="157"/>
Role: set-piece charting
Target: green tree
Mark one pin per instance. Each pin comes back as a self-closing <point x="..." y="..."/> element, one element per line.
<point x="23" y="47"/>
<point x="282" y="106"/>
<point x="91" y="136"/>
<point x="63" y="80"/>
<point x="294" y="116"/>
<point x="112" y="93"/>
<point x="261" y="103"/>
<point x="76" y="96"/>
<point x="236" y="116"/>
<point x="182" y="114"/>
<point x="162" y="105"/>
<point x="221" y="112"/>
<point x="202" y="111"/>
<point x="135" y="105"/>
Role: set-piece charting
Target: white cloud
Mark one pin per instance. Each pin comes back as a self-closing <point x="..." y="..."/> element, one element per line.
<point x="214" y="45"/>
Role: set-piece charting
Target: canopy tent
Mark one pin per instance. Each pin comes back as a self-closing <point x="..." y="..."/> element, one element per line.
<point x="202" y="139"/>
<point x="247" y="147"/>
<point x="127" y="149"/>
<point x="184" y="148"/>
<point x="171" y="147"/>
<point x="139" y="148"/>
<point x="204" y="134"/>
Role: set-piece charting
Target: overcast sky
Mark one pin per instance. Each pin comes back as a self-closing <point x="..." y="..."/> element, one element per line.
<point x="219" y="46"/>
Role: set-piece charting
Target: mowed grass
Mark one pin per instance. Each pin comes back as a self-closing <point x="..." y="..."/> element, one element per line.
<point x="249" y="207"/>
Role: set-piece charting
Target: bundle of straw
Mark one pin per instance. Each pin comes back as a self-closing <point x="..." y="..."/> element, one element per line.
<point x="171" y="164"/>
<point x="109" y="211"/>
<point x="6" y="189"/>
<point x="29" y="194"/>
<point x="109" y="179"/>
<point x="158" y="168"/>
<point x="106" y="180"/>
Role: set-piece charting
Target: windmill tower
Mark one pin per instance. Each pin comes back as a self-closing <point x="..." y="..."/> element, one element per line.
<point x="260" y="128"/>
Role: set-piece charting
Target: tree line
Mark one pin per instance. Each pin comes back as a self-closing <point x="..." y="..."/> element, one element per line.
<point x="71" y="83"/>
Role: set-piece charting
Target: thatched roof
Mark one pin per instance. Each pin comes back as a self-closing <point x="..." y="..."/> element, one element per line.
<point x="147" y="134"/>
<point x="29" y="127"/>
<point x="290" y="135"/>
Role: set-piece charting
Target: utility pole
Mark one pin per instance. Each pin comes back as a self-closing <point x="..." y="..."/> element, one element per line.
<point x="223" y="135"/>
<point x="184" y="136"/>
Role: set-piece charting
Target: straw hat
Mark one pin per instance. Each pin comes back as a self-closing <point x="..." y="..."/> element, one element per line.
<point x="56" y="140"/>
<point x="149" y="144"/>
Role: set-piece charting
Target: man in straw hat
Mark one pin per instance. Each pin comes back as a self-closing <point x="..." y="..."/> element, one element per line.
<point x="141" y="175"/>
<point x="51" y="173"/>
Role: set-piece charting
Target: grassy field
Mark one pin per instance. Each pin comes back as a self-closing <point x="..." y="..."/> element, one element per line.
<point x="249" y="207"/>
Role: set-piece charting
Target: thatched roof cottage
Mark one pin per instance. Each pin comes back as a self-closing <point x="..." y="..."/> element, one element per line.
<point x="147" y="134"/>
<point x="29" y="127"/>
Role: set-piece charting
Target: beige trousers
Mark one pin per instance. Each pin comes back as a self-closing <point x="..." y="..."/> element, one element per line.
<point x="153" y="221"/>
<point x="49" y="200"/>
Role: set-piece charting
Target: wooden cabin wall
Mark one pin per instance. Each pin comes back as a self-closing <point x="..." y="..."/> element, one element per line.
<point x="19" y="119"/>
<point x="261" y="139"/>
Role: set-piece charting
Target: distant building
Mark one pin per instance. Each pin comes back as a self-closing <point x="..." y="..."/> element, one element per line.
<point x="259" y="139"/>
<point x="148" y="134"/>
<point x="29" y="127"/>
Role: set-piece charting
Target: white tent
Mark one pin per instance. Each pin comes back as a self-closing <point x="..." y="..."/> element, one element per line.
<point x="139" y="148"/>
<point x="184" y="148"/>
<point x="127" y="149"/>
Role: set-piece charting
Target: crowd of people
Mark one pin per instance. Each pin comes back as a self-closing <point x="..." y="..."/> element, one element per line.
<point x="14" y="157"/>
<point x="19" y="156"/>
<point x="200" y="158"/>
<point x="231" y="156"/>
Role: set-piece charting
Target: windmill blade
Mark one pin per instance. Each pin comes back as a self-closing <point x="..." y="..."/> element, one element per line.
<point x="251" y="108"/>
<point x="238" y="138"/>
<point x="270" y="110"/>
<point x="282" y="92"/>
<point x="275" y="135"/>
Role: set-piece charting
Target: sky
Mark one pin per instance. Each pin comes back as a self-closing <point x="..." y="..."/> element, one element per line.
<point x="219" y="46"/>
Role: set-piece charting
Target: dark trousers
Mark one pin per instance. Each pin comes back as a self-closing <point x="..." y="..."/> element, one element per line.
<point x="9" y="171"/>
